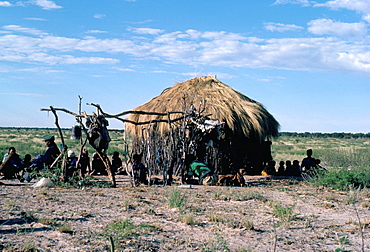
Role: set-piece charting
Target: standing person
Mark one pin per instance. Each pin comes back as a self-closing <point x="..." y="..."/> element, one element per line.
<point x="266" y="153"/>
<point x="83" y="163"/>
<point x="50" y="154"/>
<point x="140" y="171"/>
<point x="12" y="164"/>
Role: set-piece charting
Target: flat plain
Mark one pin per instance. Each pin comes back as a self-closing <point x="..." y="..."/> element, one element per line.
<point x="269" y="214"/>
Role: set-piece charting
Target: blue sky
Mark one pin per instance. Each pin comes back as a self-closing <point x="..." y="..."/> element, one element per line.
<point x="307" y="61"/>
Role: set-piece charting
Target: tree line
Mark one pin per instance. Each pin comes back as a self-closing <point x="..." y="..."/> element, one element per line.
<point x="289" y="134"/>
<point x="325" y="135"/>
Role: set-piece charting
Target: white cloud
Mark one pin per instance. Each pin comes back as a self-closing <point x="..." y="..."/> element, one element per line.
<point x="69" y="59"/>
<point x="150" y="31"/>
<point x="5" y="4"/>
<point x="356" y="5"/>
<point x="35" y="19"/>
<point x="340" y="29"/>
<point x="25" y="94"/>
<point x="95" y="31"/>
<point x="361" y="6"/>
<point x="99" y="16"/>
<point x="301" y="2"/>
<point x="124" y="69"/>
<point x="39" y="70"/>
<point x="281" y="27"/>
<point x="46" y="4"/>
<point x="18" y="28"/>
<point x="194" y="48"/>
<point x="366" y="18"/>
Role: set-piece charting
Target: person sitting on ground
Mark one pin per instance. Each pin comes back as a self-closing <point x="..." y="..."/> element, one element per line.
<point x="49" y="156"/>
<point x="318" y="164"/>
<point x="83" y="163"/>
<point x="288" y="168"/>
<point x="97" y="165"/>
<point x="27" y="161"/>
<point x="296" y="169"/>
<point x="269" y="170"/>
<point x="281" y="168"/>
<point x="139" y="169"/>
<point x="308" y="162"/>
<point x="11" y="165"/>
<point x="199" y="169"/>
<point x="71" y="164"/>
<point x="116" y="162"/>
<point x="27" y="168"/>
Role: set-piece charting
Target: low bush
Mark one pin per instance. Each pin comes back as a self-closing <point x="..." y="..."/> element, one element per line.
<point x="343" y="178"/>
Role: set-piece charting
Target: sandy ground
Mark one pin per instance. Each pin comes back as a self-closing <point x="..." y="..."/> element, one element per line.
<point x="210" y="218"/>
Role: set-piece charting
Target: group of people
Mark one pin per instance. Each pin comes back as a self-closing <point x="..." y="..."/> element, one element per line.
<point x="140" y="172"/>
<point x="285" y="168"/>
<point x="289" y="168"/>
<point x="12" y="166"/>
<point x="82" y="166"/>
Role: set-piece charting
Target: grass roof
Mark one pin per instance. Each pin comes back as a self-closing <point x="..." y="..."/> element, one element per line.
<point x="243" y="115"/>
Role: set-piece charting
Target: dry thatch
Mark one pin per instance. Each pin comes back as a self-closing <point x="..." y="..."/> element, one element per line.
<point x="244" y="116"/>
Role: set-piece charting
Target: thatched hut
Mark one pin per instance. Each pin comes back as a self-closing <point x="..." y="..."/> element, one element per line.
<point x="244" y="123"/>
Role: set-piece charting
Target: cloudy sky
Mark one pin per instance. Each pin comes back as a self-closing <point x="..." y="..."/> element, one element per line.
<point x="307" y="61"/>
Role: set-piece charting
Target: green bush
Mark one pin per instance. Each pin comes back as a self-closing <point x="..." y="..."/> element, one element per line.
<point x="343" y="178"/>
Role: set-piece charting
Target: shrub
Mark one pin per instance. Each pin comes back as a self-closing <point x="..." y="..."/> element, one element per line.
<point x="343" y="178"/>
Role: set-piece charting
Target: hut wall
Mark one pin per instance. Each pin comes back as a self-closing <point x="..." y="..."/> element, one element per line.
<point x="172" y="152"/>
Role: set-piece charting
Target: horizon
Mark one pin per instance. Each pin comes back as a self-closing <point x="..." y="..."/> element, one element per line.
<point x="119" y="129"/>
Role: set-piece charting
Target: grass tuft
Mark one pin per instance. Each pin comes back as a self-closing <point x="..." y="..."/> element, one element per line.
<point x="176" y="199"/>
<point x="284" y="213"/>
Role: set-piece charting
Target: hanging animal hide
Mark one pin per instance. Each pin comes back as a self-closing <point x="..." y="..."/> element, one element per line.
<point x="98" y="132"/>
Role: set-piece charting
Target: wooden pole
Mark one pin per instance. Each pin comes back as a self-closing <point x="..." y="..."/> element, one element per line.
<point x="64" y="150"/>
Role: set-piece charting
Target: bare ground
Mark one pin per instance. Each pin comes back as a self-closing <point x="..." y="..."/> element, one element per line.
<point x="210" y="218"/>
